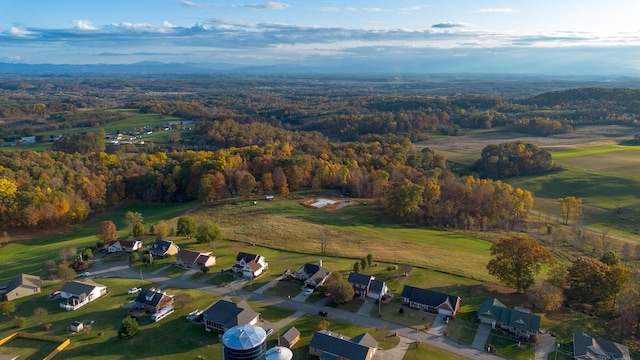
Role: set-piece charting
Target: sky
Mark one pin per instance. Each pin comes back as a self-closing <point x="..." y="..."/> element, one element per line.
<point x="516" y="36"/>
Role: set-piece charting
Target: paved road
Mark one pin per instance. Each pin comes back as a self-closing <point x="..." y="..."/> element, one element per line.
<point x="234" y="289"/>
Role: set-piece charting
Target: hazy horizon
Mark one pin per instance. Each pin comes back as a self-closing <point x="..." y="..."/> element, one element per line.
<point x="516" y="37"/>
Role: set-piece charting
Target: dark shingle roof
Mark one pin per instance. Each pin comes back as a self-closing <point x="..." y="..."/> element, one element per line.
<point x="359" y="279"/>
<point x="584" y="344"/>
<point x="26" y="280"/>
<point x="376" y="286"/>
<point x="79" y="288"/>
<point x="339" y="346"/>
<point x="290" y="334"/>
<point x="247" y="257"/>
<point x="187" y="256"/>
<point x="161" y="246"/>
<point x="230" y="314"/>
<point x="366" y="340"/>
<point x="429" y="297"/>
<point x="517" y="318"/>
<point x="150" y="297"/>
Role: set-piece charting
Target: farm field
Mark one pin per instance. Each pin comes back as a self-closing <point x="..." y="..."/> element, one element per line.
<point x="602" y="172"/>
<point x="352" y="232"/>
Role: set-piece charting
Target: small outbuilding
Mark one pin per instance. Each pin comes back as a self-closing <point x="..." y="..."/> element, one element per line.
<point x="76" y="326"/>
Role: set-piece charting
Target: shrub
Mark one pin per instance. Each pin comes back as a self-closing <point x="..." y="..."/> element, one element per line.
<point x="401" y="311"/>
<point x="19" y="321"/>
<point x="47" y="327"/>
<point x="128" y="329"/>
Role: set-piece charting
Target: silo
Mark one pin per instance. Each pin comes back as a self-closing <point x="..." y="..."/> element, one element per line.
<point x="279" y="353"/>
<point x="244" y="342"/>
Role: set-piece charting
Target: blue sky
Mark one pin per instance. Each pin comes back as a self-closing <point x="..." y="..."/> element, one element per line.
<point x="464" y="35"/>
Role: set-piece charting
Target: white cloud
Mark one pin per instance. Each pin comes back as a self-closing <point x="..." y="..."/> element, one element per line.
<point x="450" y="25"/>
<point x="497" y="10"/>
<point x="372" y="9"/>
<point x="84" y="25"/>
<point x="329" y="9"/>
<point x="19" y="32"/>
<point x="191" y="4"/>
<point x="265" y="6"/>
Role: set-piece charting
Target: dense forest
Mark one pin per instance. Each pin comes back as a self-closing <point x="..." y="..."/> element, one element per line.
<point x="270" y="135"/>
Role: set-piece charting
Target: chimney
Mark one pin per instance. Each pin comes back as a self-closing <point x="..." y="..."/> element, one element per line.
<point x="319" y="262"/>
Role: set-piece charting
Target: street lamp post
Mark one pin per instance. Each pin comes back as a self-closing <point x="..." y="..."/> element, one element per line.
<point x="557" y="349"/>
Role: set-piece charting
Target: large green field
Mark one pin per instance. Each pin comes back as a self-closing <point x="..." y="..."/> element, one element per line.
<point x="605" y="177"/>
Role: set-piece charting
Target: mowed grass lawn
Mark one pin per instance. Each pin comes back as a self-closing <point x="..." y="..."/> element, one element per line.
<point x="29" y="256"/>
<point x="172" y="337"/>
<point x="351" y="232"/>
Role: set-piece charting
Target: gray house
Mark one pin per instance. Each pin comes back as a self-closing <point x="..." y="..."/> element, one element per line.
<point x="21" y="286"/>
<point x="224" y="314"/>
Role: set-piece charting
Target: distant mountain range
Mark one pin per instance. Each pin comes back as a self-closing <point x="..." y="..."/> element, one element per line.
<point x="432" y="66"/>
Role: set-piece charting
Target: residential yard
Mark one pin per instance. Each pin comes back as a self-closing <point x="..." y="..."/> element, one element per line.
<point x="462" y="329"/>
<point x="308" y="324"/>
<point x="286" y="288"/>
<point x="508" y="348"/>
<point x="100" y="339"/>
<point x="425" y="351"/>
<point x="28" y="348"/>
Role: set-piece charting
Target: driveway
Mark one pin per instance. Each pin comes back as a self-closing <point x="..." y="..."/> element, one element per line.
<point x="366" y="308"/>
<point x="397" y="353"/>
<point x="438" y="326"/>
<point x="546" y="345"/>
<point x="482" y="335"/>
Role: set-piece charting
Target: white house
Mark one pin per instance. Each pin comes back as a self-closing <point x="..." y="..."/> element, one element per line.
<point x="76" y="294"/>
<point x="250" y="265"/>
<point x="114" y="247"/>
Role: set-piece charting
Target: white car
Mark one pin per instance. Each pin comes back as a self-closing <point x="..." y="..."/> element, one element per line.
<point x="308" y="292"/>
<point x="85" y="274"/>
<point x="134" y="290"/>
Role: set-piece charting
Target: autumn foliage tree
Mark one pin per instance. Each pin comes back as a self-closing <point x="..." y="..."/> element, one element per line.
<point x="516" y="261"/>
<point x="107" y="231"/>
<point x="570" y="208"/>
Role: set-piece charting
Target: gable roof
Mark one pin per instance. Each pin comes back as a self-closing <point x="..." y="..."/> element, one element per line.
<point x="376" y="286"/>
<point x="366" y="340"/>
<point x="247" y="257"/>
<point x="290" y="334"/>
<point x="161" y="246"/>
<point x="429" y="297"/>
<point x="335" y="345"/>
<point x="129" y="243"/>
<point x="151" y="297"/>
<point x="188" y="256"/>
<point x="317" y="274"/>
<point x="115" y="243"/>
<point x="359" y="279"/>
<point x="24" y="280"/>
<point x="517" y="318"/>
<point x="230" y="314"/>
<point x="79" y="288"/>
<point x="584" y="345"/>
<point x="491" y="308"/>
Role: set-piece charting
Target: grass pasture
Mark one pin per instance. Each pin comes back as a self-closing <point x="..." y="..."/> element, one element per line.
<point x="351" y="232"/>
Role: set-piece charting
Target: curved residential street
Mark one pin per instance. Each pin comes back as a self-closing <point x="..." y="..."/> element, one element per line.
<point x="407" y="335"/>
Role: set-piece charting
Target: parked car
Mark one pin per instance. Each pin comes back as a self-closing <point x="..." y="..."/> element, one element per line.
<point x="194" y="315"/>
<point x="323" y="313"/>
<point x="85" y="274"/>
<point x="308" y="292"/>
<point x="134" y="290"/>
<point x="54" y="294"/>
<point x="269" y="331"/>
